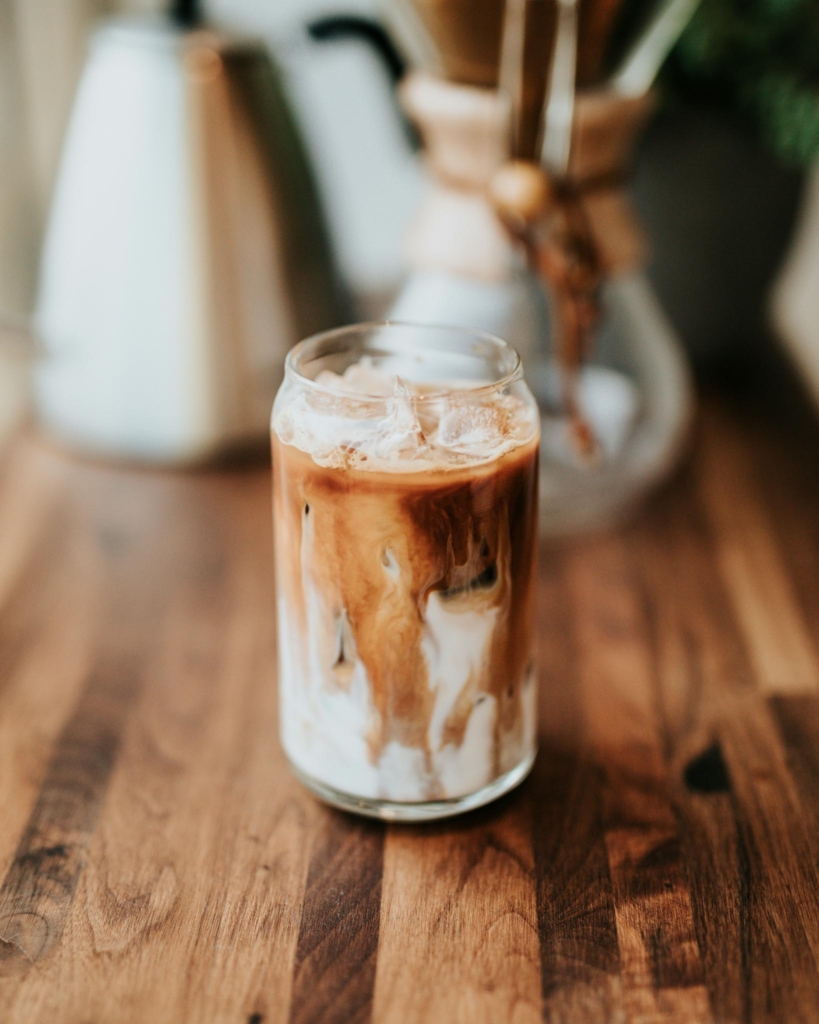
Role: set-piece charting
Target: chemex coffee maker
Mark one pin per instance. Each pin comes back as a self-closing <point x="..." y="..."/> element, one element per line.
<point x="185" y="251"/>
<point x="526" y="231"/>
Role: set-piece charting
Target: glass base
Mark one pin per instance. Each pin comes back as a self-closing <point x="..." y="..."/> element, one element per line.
<point x="430" y="810"/>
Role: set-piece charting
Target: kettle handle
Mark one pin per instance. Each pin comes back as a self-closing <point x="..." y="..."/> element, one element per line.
<point x="332" y="27"/>
<point x="354" y="26"/>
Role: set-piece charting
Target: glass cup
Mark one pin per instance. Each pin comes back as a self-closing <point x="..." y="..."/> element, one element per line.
<point x="405" y="469"/>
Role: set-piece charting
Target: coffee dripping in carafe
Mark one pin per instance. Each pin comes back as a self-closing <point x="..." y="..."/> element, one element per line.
<point x="523" y="80"/>
<point x="185" y="251"/>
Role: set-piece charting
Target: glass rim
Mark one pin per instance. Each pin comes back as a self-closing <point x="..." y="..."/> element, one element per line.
<point x="510" y="377"/>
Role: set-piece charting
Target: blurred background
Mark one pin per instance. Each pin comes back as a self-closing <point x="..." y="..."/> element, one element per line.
<point x="186" y="189"/>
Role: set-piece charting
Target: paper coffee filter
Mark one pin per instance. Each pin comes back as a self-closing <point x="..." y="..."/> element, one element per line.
<point x="467" y="37"/>
<point x="467" y="34"/>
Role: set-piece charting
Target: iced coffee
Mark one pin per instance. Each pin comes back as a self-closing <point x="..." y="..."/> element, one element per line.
<point x="405" y="492"/>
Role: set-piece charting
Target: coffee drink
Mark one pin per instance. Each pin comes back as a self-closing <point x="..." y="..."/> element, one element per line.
<point x="406" y="535"/>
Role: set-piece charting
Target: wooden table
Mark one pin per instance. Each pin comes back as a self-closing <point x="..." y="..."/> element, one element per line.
<point x="160" y="865"/>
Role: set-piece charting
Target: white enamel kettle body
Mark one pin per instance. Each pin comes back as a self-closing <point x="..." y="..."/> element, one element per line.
<point x="185" y="251"/>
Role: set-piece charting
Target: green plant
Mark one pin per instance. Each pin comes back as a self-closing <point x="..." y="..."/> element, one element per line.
<point x="762" y="57"/>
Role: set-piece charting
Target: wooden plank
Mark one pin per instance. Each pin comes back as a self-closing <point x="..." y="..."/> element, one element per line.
<point x="696" y="649"/>
<point x="44" y="624"/>
<point x="661" y="970"/>
<point x="206" y="905"/>
<point x="767" y="611"/>
<point x="780" y="867"/>
<point x="459" y="938"/>
<point x="775" y="850"/>
<point x="39" y="886"/>
<point x="32" y="482"/>
<point x="747" y="848"/>
<point x="797" y="720"/>
<point x="34" y="712"/>
<point x="33" y="588"/>
<point x="579" y="954"/>
<point x="205" y="747"/>
<point x="782" y="455"/>
<point x="334" y="975"/>
<point x="252" y="849"/>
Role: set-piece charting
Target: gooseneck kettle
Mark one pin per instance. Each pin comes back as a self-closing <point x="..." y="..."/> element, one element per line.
<point x="186" y="250"/>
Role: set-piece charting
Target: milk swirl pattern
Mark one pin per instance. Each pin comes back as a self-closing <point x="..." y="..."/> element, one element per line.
<point x="405" y="556"/>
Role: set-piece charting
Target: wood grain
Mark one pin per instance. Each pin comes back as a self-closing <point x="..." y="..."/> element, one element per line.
<point x="459" y="922"/>
<point x="158" y="862"/>
<point x="747" y="552"/>
<point x="696" y="653"/>
<point x="660" y="967"/>
<point x="334" y="975"/>
<point x="580" y="957"/>
<point x="797" y="720"/>
<point x="40" y="883"/>
<point x="737" y="840"/>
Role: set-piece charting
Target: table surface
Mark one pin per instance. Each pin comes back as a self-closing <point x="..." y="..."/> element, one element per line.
<point x="160" y="865"/>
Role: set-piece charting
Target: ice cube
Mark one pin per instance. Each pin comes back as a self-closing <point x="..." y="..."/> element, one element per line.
<point x="400" y="434"/>
<point x="361" y="378"/>
<point x="466" y="427"/>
